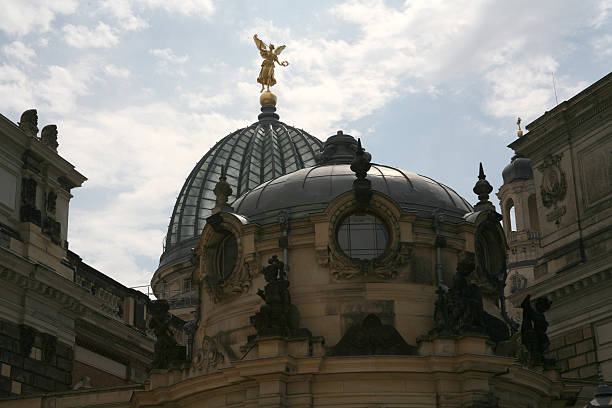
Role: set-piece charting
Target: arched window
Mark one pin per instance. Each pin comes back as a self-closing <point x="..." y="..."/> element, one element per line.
<point x="509" y="216"/>
<point x="362" y="236"/>
<point x="227" y="253"/>
<point x="534" y="221"/>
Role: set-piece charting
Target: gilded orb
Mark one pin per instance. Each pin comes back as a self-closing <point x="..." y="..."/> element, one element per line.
<point x="267" y="99"/>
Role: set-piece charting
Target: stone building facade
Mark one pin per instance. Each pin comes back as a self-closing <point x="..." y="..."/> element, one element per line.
<point x="560" y="184"/>
<point x="61" y="321"/>
<point x="348" y="283"/>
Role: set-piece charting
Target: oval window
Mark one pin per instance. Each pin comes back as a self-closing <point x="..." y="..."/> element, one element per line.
<point x="362" y="236"/>
<point x="226" y="256"/>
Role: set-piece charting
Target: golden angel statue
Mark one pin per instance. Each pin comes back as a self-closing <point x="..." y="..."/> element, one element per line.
<point x="270" y="56"/>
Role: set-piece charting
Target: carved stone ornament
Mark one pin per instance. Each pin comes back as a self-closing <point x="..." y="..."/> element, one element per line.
<point x="371" y="337"/>
<point x="554" y="183"/>
<point x="29" y="122"/>
<point x="278" y="316"/>
<point x="48" y="136"/>
<point x="460" y="309"/>
<point x="386" y="266"/>
<point x="208" y="356"/>
<point x="240" y="279"/>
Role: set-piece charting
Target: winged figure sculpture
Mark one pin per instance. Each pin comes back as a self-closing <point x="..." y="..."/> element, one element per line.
<point x="270" y="56"/>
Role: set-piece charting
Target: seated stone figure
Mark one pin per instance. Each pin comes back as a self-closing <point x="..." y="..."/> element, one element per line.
<point x="278" y="316"/>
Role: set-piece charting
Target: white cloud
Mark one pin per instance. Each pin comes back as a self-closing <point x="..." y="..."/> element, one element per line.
<point x="56" y="91"/>
<point x="526" y="88"/>
<point x="602" y="46"/>
<point x="115" y="71"/>
<point x="166" y="55"/>
<point x="15" y="83"/>
<point x="43" y="42"/>
<point x="80" y="36"/>
<point x="422" y="46"/>
<point x="19" y="51"/>
<point x="22" y="17"/>
<point x="122" y="10"/>
<point x="140" y="180"/>
<point x="200" y="8"/>
<point x="202" y="101"/>
<point x="59" y="91"/>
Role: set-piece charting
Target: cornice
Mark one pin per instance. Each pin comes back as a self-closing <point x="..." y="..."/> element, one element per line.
<point x="50" y="157"/>
<point x="570" y="284"/>
<point x="43" y="281"/>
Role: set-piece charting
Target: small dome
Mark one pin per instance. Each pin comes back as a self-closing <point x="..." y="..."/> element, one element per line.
<point x="518" y="169"/>
<point x="253" y="155"/>
<point x="309" y="191"/>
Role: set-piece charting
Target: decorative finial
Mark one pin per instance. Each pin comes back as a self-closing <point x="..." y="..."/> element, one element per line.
<point x="483" y="189"/>
<point x="519" y="132"/>
<point x="29" y="122"/>
<point x="361" y="165"/>
<point x="48" y="136"/>
<point x="222" y="191"/>
<point x="266" y="75"/>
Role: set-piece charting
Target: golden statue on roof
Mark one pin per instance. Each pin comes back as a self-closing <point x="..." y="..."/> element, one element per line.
<point x="270" y="56"/>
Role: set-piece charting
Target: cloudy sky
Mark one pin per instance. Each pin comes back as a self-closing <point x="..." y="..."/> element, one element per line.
<point x="141" y="89"/>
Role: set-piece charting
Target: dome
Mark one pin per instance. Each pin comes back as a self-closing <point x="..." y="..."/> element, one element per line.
<point x="310" y="190"/>
<point x="253" y="155"/>
<point x="518" y="169"/>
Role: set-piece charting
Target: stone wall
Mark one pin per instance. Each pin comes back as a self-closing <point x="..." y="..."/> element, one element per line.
<point x="575" y="352"/>
<point x="46" y="368"/>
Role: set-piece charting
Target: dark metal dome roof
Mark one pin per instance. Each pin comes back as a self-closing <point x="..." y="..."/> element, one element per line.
<point x="518" y="169"/>
<point x="310" y="190"/>
<point x="253" y="155"/>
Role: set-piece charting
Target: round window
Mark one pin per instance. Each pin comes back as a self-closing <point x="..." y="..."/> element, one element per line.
<point x="362" y="236"/>
<point x="226" y="256"/>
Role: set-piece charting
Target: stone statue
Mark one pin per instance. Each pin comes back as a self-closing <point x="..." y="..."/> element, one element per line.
<point x="29" y="122"/>
<point x="278" y="317"/>
<point x="460" y="309"/>
<point x="533" y="329"/>
<point x="222" y="189"/>
<point x="49" y="136"/>
<point x="166" y="349"/>
<point x="270" y="56"/>
<point x="468" y="312"/>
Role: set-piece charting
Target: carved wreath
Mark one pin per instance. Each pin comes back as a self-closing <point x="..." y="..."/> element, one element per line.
<point x="554" y="185"/>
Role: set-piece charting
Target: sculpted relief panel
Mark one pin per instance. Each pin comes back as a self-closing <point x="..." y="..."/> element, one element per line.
<point x="553" y="188"/>
<point x="596" y="166"/>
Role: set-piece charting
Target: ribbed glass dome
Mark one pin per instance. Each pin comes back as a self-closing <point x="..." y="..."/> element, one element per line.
<point x="253" y="155"/>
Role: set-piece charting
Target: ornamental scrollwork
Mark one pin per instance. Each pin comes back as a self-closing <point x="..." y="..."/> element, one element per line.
<point x="218" y="285"/>
<point x="554" y="185"/>
<point x="386" y="266"/>
<point x="208" y="356"/>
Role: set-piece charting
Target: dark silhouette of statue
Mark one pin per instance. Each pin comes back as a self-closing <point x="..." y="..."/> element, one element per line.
<point x="278" y="316"/>
<point x="533" y="329"/>
<point x="166" y="349"/>
<point x="460" y="309"/>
